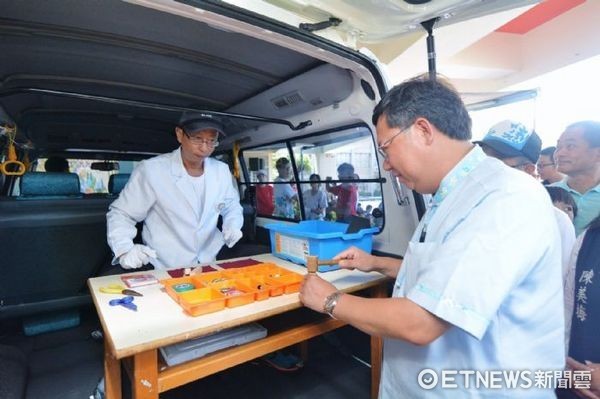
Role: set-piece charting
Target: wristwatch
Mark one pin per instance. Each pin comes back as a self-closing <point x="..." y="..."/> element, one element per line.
<point x="330" y="303"/>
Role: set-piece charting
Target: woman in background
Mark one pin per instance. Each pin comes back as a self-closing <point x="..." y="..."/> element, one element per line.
<point x="315" y="199"/>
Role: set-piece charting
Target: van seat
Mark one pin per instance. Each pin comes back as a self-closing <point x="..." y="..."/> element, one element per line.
<point x="64" y="364"/>
<point x="13" y="372"/>
<point x="49" y="248"/>
<point x="49" y="184"/>
<point x="116" y="182"/>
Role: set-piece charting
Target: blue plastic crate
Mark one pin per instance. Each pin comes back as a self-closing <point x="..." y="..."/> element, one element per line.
<point x="315" y="237"/>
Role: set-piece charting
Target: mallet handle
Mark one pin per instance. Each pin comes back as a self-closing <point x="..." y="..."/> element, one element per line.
<point x="329" y="262"/>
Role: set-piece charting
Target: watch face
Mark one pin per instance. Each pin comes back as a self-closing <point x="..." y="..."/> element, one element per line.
<point x="328" y="307"/>
<point x="330" y="302"/>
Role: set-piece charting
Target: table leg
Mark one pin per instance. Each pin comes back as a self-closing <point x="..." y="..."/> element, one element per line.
<point x="379" y="291"/>
<point x="112" y="374"/>
<point x="145" y="375"/>
<point x="303" y="349"/>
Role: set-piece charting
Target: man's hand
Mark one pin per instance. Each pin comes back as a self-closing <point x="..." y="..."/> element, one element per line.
<point x="137" y="256"/>
<point x="314" y="290"/>
<point x="594" y="391"/>
<point x="355" y="258"/>
<point x="231" y="237"/>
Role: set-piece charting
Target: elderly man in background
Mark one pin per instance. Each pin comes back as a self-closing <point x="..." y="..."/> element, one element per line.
<point x="578" y="156"/>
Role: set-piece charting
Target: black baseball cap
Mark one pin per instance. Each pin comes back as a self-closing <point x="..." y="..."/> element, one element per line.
<point x="195" y="122"/>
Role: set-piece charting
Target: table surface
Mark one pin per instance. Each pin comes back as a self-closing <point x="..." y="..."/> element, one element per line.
<point x="160" y="321"/>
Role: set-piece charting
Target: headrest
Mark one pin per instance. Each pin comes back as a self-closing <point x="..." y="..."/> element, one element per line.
<point x="49" y="184"/>
<point x="116" y="182"/>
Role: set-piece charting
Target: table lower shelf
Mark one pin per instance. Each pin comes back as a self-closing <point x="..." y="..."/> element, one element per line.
<point x="299" y="327"/>
<point x="150" y="375"/>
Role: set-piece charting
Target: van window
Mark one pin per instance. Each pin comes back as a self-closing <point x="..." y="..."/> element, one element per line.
<point x="347" y="172"/>
<point x="277" y="194"/>
<point x="91" y="181"/>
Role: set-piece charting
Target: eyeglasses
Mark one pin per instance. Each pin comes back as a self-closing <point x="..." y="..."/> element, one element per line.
<point x="198" y="141"/>
<point x="543" y="165"/>
<point x="382" y="147"/>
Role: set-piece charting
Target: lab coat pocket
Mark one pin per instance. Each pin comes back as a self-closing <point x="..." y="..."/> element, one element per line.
<point x="417" y="260"/>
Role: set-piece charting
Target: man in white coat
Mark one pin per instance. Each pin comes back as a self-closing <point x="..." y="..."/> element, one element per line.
<point x="179" y="197"/>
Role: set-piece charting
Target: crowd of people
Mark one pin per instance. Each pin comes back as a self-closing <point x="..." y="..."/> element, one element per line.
<point x="336" y="202"/>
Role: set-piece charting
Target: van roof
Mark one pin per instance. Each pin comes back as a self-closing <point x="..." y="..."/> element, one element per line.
<point x="113" y="74"/>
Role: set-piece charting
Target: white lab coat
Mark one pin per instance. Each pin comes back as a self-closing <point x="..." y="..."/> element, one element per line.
<point x="160" y="194"/>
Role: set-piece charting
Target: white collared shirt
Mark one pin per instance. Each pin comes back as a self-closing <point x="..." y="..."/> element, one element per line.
<point x="491" y="267"/>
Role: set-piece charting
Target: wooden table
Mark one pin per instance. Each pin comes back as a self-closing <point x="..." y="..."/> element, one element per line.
<point x="135" y="337"/>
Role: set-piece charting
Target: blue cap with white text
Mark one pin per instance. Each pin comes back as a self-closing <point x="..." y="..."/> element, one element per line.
<point x="512" y="139"/>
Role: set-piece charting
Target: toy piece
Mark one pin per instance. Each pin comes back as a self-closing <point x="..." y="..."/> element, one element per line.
<point x="137" y="280"/>
<point x="126" y="302"/>
<point x="183" y="287"/>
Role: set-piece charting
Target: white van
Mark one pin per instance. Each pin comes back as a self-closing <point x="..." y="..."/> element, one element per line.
<point x="103" y="84"/>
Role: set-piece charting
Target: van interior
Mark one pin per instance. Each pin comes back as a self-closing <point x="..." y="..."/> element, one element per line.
<point x="103" y="84"/>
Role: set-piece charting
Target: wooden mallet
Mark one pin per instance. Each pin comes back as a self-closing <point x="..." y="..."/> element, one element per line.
<point x="313" y="262"/>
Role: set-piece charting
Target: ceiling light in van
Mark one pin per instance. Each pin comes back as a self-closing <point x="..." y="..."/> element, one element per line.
<point x="287" y="100"/>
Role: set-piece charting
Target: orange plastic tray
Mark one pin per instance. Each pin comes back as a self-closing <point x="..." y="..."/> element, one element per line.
<point x="236" y="293"/>
<point x="290" y="281"/>
<point x="236" y="273"/>
<point x="230" y="288"/>
<point x="202" y="301"/>
<point x="206" y="279"/>
<point x="171" y="282"/>
<point x="262" y="290"/>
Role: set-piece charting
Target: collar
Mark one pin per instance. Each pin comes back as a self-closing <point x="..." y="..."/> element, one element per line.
<point x="563" y="184"/>
<point x="457" y="174"/>
<point x="177" y="167"/>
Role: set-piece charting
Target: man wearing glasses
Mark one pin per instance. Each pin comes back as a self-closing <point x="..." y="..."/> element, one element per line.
<point x="179" y="197"/>
<point x="479" y="287"/>
<point x="546" y="167"/>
